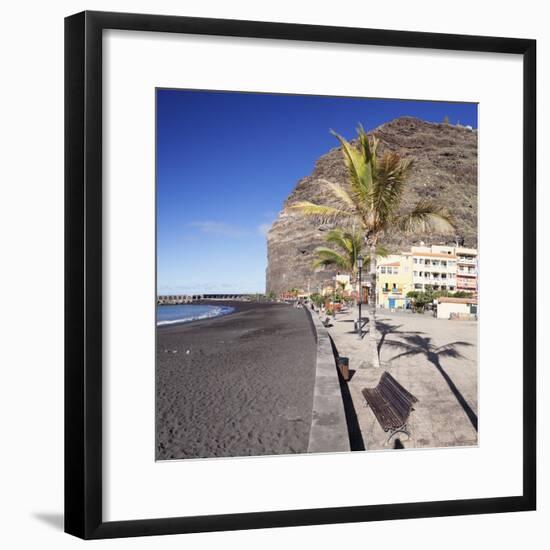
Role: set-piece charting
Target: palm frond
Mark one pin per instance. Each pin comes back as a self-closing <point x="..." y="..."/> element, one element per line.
<point x="349" y="244"/>
<point x="360" y="171"/>
<point x="381" y="251"/>
<point x="341" y="195"/>
<point x="320" y="211"/>
<point x="388" y="186"/>
<point x="426" y="217"/>
<point x="369" y="150"/>
<point x="327" y="256"/>
<point x="340" y="238"/>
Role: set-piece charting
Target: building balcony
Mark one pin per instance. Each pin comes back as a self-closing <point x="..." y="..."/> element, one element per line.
<point x="436" y="268"/>
<point x="463" y="285"/>
<point x="434" y="280"/>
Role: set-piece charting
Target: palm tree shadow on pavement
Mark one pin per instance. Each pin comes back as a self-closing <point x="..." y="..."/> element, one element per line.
<point x="422" y="345"/>
<point x="384" y="328"/>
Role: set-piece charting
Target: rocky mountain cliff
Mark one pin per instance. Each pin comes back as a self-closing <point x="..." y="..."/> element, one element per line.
<point x="444" y="169"/>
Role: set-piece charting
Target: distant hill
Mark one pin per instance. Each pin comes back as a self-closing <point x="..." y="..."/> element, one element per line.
<point x="445" y="169"/>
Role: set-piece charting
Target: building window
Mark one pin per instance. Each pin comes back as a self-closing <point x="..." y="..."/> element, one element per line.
<point x="382" y="270"/>
<point x="415" y="273"/>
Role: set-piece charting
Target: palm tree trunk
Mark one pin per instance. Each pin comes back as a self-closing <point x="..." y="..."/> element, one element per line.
<point x="372" y="343"/>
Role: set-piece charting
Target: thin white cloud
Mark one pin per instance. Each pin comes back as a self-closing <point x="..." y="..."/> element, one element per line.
<point x="221" y="229"/>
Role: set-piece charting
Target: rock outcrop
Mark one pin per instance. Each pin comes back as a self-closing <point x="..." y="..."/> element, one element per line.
<point x="444" y="169"/>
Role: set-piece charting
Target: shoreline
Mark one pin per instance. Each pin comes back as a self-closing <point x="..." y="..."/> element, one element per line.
<point x="238" y="307"/>
<point x="168" y="323"/>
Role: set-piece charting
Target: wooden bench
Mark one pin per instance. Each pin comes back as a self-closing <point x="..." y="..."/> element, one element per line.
<point x="392" y="404"/>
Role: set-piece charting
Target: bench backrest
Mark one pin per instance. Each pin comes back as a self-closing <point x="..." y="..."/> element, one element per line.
<point x="396" y="395"/>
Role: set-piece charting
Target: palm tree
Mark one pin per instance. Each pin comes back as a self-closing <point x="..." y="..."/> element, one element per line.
<point x="350" y="243"/>
<point x="373" y="199"/>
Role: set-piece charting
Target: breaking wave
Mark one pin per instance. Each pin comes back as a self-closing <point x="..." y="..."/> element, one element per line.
<point x="185" y="313"/>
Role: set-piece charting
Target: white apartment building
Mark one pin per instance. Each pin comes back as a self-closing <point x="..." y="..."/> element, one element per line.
<point x="444" y="268"/>
<point x="466" y="271"/>
<point x="434" y="266"/>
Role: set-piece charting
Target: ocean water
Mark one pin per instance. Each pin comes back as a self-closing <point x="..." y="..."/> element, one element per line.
<point x="184" y="313"/>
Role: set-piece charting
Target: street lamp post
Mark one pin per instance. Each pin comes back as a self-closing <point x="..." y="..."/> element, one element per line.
<point x="334" y="296"/>
<point x="360" y="267"/>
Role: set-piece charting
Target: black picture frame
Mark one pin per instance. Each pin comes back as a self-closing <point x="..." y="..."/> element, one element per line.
<point x="83" y="274"/>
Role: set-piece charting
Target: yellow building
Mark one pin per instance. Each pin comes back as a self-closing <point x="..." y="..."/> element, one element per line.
<point x="394" y="280"/>
<point x="439" y="267"/>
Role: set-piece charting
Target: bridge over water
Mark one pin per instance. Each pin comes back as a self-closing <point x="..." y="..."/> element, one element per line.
<point x="173" y="299"/>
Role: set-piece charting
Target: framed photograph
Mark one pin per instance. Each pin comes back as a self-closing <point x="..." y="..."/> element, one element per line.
<point x="300" y="275"/>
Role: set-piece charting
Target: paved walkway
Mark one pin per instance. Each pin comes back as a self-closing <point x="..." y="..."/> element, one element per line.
<point x="435" y="359"/>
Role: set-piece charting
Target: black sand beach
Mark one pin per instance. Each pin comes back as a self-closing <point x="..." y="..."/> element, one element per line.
<point x="236" y="385"/>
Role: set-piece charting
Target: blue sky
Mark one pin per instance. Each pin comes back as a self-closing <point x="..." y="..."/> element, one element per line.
<point x="227" y="161"/>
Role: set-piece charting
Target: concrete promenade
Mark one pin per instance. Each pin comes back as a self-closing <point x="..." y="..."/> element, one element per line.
<point x="434" y="359"/>
<point x="329" y="431"/>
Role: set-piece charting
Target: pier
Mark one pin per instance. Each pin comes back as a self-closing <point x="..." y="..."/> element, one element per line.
<point x="175" y="299"/>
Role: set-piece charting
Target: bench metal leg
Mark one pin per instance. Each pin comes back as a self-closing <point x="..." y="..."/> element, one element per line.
<point x="403" y="430"/>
